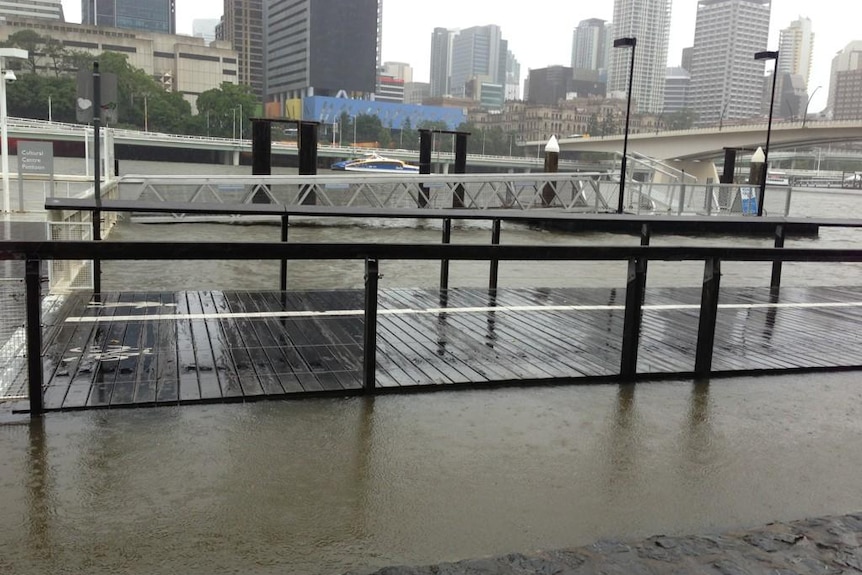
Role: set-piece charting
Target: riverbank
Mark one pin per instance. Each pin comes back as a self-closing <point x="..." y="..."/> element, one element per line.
<point x="817" y="545"/>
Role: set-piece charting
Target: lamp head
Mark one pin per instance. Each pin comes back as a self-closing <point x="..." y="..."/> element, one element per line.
<point x="766" y="55"/>
<point x="9" y="76"/>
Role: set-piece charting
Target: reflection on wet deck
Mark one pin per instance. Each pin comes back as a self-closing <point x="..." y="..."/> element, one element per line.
<point x="186" y="347"/>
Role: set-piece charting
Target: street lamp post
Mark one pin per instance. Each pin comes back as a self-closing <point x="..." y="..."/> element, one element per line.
<point x="4" y="129"/>
<point x="805" y="115"/>
<point x="620" y="42"/>
<point x="240" y="121"/>
<point x="767" y="55"/>
<point x="721" y="118"/>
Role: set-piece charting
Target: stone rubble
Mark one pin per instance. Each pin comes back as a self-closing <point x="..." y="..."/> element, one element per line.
<point x="817" y="546"/>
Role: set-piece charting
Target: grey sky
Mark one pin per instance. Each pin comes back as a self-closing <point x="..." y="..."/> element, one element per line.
<point x="540" y="31"/>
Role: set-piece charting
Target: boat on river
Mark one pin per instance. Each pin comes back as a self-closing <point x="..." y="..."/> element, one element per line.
<point x="376" y="165"/>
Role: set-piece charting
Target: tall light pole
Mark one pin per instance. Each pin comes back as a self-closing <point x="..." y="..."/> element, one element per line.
<point x="721" y="118"/>
<point x="805" y="115"/>
<point x="4" y="129"/>
<point x="621" y="42"/>
<point x="767" y="55"/>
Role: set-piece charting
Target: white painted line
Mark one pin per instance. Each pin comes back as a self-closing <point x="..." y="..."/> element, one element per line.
<point x="440" y="310"/>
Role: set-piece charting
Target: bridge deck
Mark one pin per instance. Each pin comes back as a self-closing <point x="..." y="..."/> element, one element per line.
<point x="148" y="349"/>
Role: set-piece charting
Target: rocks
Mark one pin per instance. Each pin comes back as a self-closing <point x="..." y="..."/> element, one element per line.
<point x="822" y="545"/>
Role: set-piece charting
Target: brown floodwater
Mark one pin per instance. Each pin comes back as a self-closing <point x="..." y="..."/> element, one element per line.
<point x="327" y="486"/>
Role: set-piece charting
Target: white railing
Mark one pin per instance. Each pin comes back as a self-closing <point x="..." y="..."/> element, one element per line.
<point x="74" y="225"/>
<point x="575" y="193"/>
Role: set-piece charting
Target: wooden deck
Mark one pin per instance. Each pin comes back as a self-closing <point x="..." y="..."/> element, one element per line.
<point x="137" y="349"/>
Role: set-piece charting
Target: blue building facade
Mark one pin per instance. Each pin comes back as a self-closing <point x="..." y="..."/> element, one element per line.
<point x="328" y="111"/>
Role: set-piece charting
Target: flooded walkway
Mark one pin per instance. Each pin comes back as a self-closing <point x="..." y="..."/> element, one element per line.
<point x="144" y="349"/>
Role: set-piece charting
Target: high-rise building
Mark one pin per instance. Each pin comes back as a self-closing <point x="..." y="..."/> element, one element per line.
<point x="841" y="85"/>
<point x="591" y="46"/>
<point x="513" y="77"/>
<point x="796" y="49"/>
<point x="322" y="48"/>
<point x="441" y="60"/>
<point x="50" y="9"/>
<point x="205" y="28"/>
<point x="398" y="70"/>
<point x="649" y="22"/>
<point x="548" y="86"/>
<point x="686" y="58"/>
<point x="151" y="15"/>
<point x="848" y="95"/>
<point x="478" y="53"/>
<point x="726" y="80"/>
<point x="676" y="87"/>
<point x="242" y="26"/>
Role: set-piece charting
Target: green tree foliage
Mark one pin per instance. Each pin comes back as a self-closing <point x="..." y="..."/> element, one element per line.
<point x="29" y="98"/>
<point x="222" y="111"/>
<point x="408" y="138"/>
<point x="681" y="119"/>
<point x="441" y="142"/>
<point x="29" y="40"/>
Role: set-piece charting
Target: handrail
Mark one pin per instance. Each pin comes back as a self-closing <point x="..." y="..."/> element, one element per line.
<point x="637" y="256"/>
<point x="161" y="251"/>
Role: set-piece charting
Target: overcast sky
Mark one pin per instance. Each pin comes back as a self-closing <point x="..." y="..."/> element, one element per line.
<point x="540" y="31"/>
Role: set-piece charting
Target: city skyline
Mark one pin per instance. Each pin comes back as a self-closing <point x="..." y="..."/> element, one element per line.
<point x="408" y="28"/>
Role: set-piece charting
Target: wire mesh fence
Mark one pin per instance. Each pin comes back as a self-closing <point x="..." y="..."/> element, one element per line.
<point x="13" y="356"/>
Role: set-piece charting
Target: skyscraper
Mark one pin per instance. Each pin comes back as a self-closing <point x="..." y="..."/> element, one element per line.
<point x="441" y="60"/>
<point x="513" y="77"/>
<point x="796" y="49"/>
<point x="726" y="80"/>
<point x="846" y="69"/>
<point x="649" y="22"/>
<point x="321" y="48"/>
<point x="50" y="9"/>
<point x="591" y="46"/>
<point x="242" y="26"/>
<point x="152" y="15"/>
<point x="478" y="53"/>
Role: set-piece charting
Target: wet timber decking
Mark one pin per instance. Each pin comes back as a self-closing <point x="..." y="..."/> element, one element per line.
<point x="136" y="349"/>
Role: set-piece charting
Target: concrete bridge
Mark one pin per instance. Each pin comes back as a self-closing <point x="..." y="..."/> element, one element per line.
<point x="693" y="150"/>
<point x="230" y="149"/>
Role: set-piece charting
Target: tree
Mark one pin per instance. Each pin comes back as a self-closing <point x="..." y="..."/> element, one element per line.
<point x="222" y="111"/>
<point x="29" y="40"/>
<point x="441" y="142"/>
<point x="409" y="137"/>
<point x="681" y="119"/>
<point x="593" y="125"/>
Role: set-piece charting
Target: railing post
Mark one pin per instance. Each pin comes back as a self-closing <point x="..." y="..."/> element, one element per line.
<point x="460" y="167"/>
<point x="425" y="144"/>
<point x="495" y="263"/>
<point x="646" y="234"/>
<point x="97" y="175"/>
<point x="444" y="264"/>
<point x="775" y="283"/>
<point x="632" y="323"/>
<point x="372" y="275"/>
<point x="34" y="336"/>
<point x="708" y="317"/>
<point x="284" y="235"/>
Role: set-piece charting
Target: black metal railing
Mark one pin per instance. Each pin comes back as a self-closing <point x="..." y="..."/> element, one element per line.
<point x="637" y="258"/>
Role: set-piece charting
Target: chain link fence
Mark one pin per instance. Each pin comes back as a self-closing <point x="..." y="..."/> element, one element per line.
<point x="13" y="341"/>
